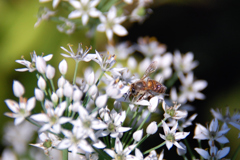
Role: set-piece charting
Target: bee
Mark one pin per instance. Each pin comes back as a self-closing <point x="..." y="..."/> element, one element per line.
<point x="150" y="87"/>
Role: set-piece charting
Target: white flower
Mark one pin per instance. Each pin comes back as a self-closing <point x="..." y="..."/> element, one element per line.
<point x="80" y="55"/>
<point x="114" y="124"/>
<point x="18" y="137"/>
<point x="50" y="72"/>
<point x="39" y="94"/>
<point x="233" y="120"/>
<point x="190" y="89"/>
<point x="183" y="122"/>
<point x="63" y="67"/>
<point x="164" y="64"/>
<point x="31" y="65"/>
<point x="152" y="155"/>
<point x="214" y="153"/>
<point x="21" y="110"/>
<point x="171" y="137"/>
<point x="150" y="46"/>
<point x="173" y="112"/>
<point x="41" y="64"/>
<point x="54" y="4"/>
<point x="111" y="23"/>
<point x="53" y="118"/>
<point x="106" y="62"/>
<point x="48" y="142"/>
<point x="184" y="63"/>
<point x="101" y="101"/>
<point x="74" y="140"/>
<point x="84" y="9"/>
<point x="18" y="89"/>
<point x="212" y="132"/>
<point x="87" y="123"/>
<point x="122" y="50"/>
<point x="152" y="128"/>
<point x="137" y="135"/>
<point x="8" y="154"/>
<point x="67" y="26"/>
<point x="41" y="83"/>
<point x="183" y="151"/>
<point x="43" y="14"/>
<point x="119" y="153"/>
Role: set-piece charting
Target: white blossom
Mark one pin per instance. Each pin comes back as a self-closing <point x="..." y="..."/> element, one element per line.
<point x="212" y="132"/>
<point x="18" y="89"/>
<point x="214" y="152"/>
<point x="80" y="55"/>
<point x="227" y="118"/>
<point x="84" y="9"/>
<point x="118" y="151"/>
<point x="53" y="119"/>
<point x="171" y="137"/>
<point x="21" y="110"/>
<point x="111" y="24"/>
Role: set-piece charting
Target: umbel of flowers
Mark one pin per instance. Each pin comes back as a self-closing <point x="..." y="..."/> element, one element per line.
<point x="110" y="112"/>
<point x="77" y="119"/>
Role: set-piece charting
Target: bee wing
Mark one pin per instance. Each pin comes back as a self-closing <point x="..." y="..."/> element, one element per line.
<point x="151" y="68"/>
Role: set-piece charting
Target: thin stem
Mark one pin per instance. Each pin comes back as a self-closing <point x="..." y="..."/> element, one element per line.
<point x="236" y="153"/>
<point x="160" y="123"/>
<point x="143" y="122"/>
<point x="75" y="72"/>
<point x="51" y="82"/>
<point x="154" y="148"/>
<point x="43" y="107"/>
<point x="65" y="154"/>
<point x="189" y="148"/>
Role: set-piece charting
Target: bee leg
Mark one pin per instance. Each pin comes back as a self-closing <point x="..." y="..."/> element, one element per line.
<point x="150" y="95"/>
<point x="141" y="97"/>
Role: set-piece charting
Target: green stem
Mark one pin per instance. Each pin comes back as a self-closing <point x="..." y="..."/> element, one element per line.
<point x="160" y="123"/>
<point x="53" y="88"/>
<point x="43" y="107"/>
<point x="143" y="122"/>
<point x="189" y="149"/>
<point x="154" y="148"/>
<point x="236" y="153"/>
<point x="75" y="72"/>
<point x="136" y="130"/>
<point x="100" y="77"/>
<point x="65" y="154"/>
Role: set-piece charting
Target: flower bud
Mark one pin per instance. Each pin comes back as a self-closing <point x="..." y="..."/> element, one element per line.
<point x="68" y="90"/>
<point x="41" y="83"/>
<point x="77" y="95"/>
<point x="61" y="82"/>
<point x="180" y="151"/>
<point x="152" y="128"/>
<point x="41" y="64"/>
<point x="137" y="136"/>
<point x="18" y="89"/>
<point x="63" y="67"/>
<point x="39" y="94"/>
<point x="153" y="104"/>
<point x="50" y="72"/>
<point x="54" y="98"/>
<point x="92" y="90"/>
<point x="59" y="92"/>
<point x="90" y="78"/>
<point x="101" y="101"/>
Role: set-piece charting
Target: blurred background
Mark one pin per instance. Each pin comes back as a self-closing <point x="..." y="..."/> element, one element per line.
<point x="208" y="28"/>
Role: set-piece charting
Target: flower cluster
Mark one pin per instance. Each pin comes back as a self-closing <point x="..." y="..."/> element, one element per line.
<point x="97" y="15"/>
<point x="77" y="118"/>
<point x="111" y="110"/>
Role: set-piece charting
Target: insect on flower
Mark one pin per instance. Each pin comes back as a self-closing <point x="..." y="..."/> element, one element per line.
<point x="150" y="87"/>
